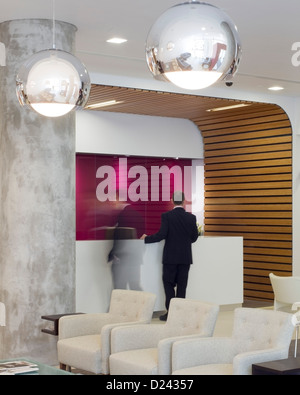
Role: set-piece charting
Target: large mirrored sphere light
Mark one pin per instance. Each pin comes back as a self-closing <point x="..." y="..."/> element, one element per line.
<point x="53" y="82"/>
<point x="193" y="45"/>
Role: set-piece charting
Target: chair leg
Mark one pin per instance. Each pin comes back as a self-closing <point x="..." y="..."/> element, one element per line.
<point x="296" y="341"/>
<point x="67" y="368"/>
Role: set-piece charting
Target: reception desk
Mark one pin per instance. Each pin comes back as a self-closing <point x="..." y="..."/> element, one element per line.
<point x="216" y="275"/>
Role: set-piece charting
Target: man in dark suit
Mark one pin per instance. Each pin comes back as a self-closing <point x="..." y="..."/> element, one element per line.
<point x="179" y="230"/>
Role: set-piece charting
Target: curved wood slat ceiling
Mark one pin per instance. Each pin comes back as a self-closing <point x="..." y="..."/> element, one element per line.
<point x="145" y="102"/>
<point x="248" y="173"/>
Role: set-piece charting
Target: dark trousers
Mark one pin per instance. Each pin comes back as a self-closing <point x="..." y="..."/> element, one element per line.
<point x="175" y="276"/>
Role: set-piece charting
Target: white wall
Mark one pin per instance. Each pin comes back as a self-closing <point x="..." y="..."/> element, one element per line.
<point x="140" y="135"/>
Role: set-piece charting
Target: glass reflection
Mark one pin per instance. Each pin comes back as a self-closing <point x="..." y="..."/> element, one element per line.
<point x="53" y="82"/>
<point x="193" y="45"/>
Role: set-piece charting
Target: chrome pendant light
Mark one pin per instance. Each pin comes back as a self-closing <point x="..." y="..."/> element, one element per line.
<point x="193" y="45"/>
<point x="53" y="82"/>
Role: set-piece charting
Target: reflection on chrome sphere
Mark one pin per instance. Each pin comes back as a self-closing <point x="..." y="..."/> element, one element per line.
<point x="193" y="45"/>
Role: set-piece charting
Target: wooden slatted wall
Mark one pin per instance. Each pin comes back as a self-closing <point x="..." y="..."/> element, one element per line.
<point x="248" y="190"/>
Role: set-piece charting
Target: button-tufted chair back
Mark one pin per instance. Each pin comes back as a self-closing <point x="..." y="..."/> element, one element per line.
<point x="257" y="329"/>
<point x="187" y="316"/>
<point x="132" y="305"/>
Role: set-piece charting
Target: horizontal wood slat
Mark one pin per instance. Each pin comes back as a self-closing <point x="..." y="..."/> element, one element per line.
<point x="281" y="119"/>
<point x="249" y="143"/>
<point x="249" y="221"/>
<point x="251" y="236"/>
<point x="268" y="244"/>
<point x="237" y="132"/>
<point x="248" y="214"/>
<point x="248" y="164"/>
<point x="248" y="228"/>
<point x="247" y="150"/>
<point x="250" y="179"/>
<point x="248" y="192"/>
<point x="282" y="169"/>
<point x="266" y="186"/>
<point x="242" y="158"/>
<point x="247" y="200"/>
<point x="249" y="207"/>
<point x="267" y="251"/>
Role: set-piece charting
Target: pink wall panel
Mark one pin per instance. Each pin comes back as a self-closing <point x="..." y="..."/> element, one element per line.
<point x="105" y="185"/>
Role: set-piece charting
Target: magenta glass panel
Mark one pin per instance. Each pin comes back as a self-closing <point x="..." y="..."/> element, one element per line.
<point x="105" y="185"/>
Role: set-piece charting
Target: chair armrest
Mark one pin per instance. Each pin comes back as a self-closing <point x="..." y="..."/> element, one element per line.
<point x="106" y="340"/>
<point x="242" y="363"/>
<point x="81" y="325"/>
<point x="136" y="337"/>
<point x="165" y="352"/>
<point x="202" y="351"/>
<point x="295" y="306"/>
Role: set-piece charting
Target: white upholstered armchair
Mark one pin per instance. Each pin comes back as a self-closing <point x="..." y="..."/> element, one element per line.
<point x="146" y="349"/>
<point x="286" y="291"/>
<point x="258" y="336"/>
<point x="84" y="340"/>
<point x="2" y="314"/>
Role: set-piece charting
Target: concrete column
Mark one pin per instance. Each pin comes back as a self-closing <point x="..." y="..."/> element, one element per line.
<point x="37" y="201"/>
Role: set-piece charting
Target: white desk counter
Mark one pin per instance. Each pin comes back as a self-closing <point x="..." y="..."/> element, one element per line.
<point x="216" y="275"/>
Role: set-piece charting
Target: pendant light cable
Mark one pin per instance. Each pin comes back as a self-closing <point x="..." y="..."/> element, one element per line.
<point x="53" y="24"/>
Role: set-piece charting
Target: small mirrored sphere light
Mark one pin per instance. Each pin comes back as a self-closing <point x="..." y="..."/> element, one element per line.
<point x="53" y="82"/>
<point x="193" y="45"/>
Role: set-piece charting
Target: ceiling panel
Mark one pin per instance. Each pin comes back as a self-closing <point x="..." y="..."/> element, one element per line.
<point x="145" y="102"/>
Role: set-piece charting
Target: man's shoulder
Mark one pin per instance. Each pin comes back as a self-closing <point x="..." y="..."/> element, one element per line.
<point x="180" y="211"/>
<point x="191" y="214"/>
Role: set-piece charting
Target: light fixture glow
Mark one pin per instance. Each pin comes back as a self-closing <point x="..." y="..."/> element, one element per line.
<point x="52" y="110"/>
<point x="228" y="107"/>
<point x="275" y="88"/>
<point x="116" y="40"/>
<point x="193" y="80"/>
<point x="53" y="82"/>
<point x="195" y="40"/>
<point x="104" y="104"/>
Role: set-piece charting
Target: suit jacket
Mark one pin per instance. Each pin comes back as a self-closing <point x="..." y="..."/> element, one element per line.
<point x="179" y="230"/>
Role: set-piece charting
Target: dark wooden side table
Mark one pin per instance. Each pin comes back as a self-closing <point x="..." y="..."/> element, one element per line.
<point x="290" y="366"/>
<point x="55" y="319"/>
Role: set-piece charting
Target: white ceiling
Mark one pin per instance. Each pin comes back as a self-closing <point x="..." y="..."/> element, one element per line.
<point x="267" y="29"/>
